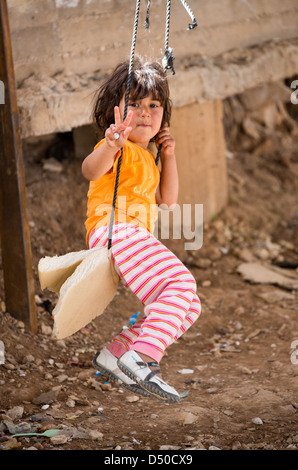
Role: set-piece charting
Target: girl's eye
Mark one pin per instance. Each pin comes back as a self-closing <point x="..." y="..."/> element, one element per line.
<point x="134" y="105"/>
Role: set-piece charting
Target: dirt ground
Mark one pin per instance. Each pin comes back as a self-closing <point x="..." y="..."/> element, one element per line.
<point x="239" y="358"/>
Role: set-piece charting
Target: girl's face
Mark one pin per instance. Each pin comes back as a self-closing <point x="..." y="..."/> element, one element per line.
<point x="147" y="115"/>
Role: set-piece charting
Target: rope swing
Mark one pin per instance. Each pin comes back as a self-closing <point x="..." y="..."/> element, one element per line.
<point x="87" y="280"/>
<point x="167" y="64"/>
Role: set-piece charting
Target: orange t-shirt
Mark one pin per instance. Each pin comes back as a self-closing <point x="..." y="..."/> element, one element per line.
<point x="138" y="180"/>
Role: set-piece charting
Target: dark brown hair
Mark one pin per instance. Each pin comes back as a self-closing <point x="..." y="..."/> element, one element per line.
<point x="147" y="77"/>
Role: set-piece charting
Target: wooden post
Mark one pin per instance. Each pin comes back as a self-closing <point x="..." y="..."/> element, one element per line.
<point x="14" y="229"/>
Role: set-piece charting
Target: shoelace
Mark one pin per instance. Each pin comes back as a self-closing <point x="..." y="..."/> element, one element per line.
<point x="150" y="364"/>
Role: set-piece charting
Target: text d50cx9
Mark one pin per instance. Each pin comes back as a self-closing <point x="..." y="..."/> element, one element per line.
<point x="166" y="459"/>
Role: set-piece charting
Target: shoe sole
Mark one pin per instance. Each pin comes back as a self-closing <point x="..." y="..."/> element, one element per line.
<point x="151" y="388"/>
<point x="115" y="379"/>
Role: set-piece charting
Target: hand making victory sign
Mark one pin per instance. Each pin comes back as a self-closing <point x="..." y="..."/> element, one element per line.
<point x="117" y="134"/>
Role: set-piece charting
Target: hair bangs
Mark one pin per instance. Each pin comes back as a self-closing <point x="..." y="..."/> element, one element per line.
<point x="147" y="81"/>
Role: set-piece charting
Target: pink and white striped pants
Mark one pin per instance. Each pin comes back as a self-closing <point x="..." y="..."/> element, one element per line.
<point x="160" y="280"/>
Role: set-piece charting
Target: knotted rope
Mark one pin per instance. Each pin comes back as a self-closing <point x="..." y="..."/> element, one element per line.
<point x="167" y="64"/>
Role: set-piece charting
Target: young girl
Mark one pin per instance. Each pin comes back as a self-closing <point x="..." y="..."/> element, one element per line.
<point x="154" y="274"/>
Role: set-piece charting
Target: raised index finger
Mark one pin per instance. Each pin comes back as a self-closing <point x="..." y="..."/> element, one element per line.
<point x="128" y="118"/>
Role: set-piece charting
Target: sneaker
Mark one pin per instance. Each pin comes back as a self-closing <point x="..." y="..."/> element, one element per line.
<point x="106" y="363"/>
<point x="139" y="371"/>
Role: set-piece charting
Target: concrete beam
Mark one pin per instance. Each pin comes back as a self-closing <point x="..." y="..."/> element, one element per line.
<point x="64" y="101"/>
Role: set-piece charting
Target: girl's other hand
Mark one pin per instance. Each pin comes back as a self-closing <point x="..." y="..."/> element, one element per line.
<point x="168" y="143"/>
<point x="121" y="128"/>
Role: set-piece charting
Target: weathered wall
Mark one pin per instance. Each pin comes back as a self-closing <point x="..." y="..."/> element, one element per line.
<point x="81" y="36"/>
<point x="62" y="49"/>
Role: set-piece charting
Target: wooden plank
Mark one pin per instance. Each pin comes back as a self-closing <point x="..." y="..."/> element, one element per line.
<point x="14" y="229"/>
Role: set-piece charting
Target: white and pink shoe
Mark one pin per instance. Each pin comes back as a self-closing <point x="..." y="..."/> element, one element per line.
<point x="141" y="373"/>
<point x="106" y="363"/>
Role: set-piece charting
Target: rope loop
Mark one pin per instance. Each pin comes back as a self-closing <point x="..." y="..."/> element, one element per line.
<point x="194" y="23"/>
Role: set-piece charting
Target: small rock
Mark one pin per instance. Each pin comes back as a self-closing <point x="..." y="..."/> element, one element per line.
<point x="70" y="403"/>
<point x="186" y="371"/>
<point x="47" y="397"/>
<point x="263" y="254"/>
<point x="20" y="324"/>
<point x="46" y="330"/>
<point x="80" y="401"/>
<point x="132" y="398"/>
<point x="236" y="445"/>
<point x="61" y="378"/>
<point x="214" y="448"/>
<point x="257" y="421"/>
<point x="29" y="359"/>
<point x="95" y="435"/>
<point x="169" y="447"/>
<point x="214" y="253"/>
<point x="51" y="164"/>
<point x="186" y="418"/>
<point x="239" y="310"/>
<point x="106" y="386"/>
<point x="59" y="439"/>
<point x="16" y="412"/>
<point x="40" y="418"/>
<point x="246" y="255"/>
<point x="203" y="263"/>
<point x="206" y="283"/>
<point x="228" y="412"/>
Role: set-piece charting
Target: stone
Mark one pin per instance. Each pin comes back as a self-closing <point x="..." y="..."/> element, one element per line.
<point x="59" y="439"/>
<point x="95" y="435"/>
<point x="46" y="397"/>
<point x="20" y="428"/>
<point x="169" y="447"/>
<point x="132" y="398"/>
<point x="10" y="444"/>
<point x="16" y="412"/>
<point x="186" y="418"/>
<point x="257" y="421"/>
<point x="258" y="273"/>
<point x="70" y="403"/>
<point x="53" y="165"/>
<point x="186" y="371"/>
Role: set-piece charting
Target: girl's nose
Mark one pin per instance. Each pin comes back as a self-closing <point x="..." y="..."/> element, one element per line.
<point x="145" y="110"/>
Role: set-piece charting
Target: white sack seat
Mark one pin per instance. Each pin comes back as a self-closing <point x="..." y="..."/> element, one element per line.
<point x="86" y="281"/>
